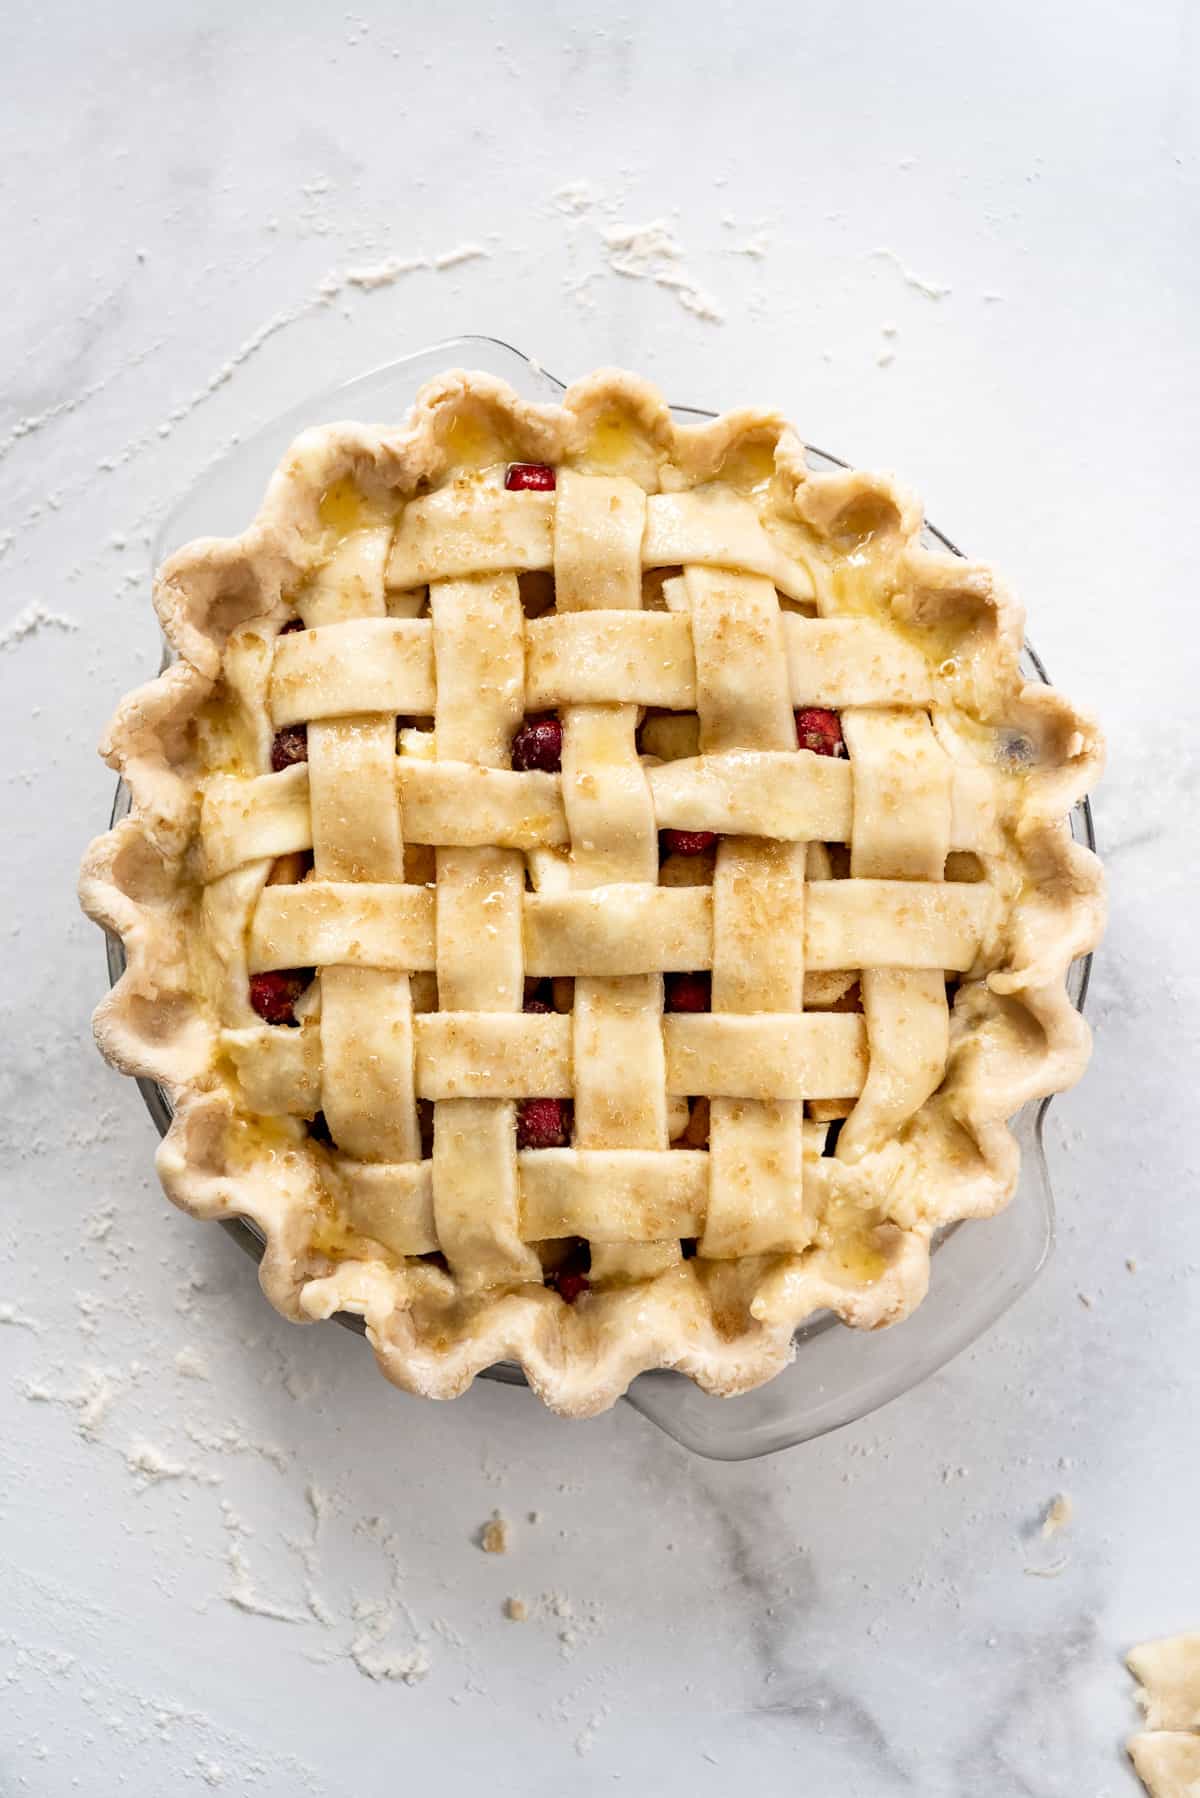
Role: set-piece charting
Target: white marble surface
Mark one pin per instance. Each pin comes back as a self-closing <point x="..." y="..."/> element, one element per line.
<point x="861" y="1616"/>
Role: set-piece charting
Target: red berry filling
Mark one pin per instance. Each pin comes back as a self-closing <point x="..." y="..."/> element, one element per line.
<point x="529" y="477"/>
<point x="688" y="992"/>
<point x="274" y="995"/>
<point x="290" y="745"/>
<point x="820" y="731"/>
<point x="538" y="745"/>
<point x="293" y="624"/>
<point x="687" y="842"/>
<point x="542" y="1124"/>
<point x="568" y="1285"/>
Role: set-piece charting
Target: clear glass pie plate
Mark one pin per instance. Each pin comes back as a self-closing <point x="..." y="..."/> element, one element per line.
<point x="839" y="1374"/>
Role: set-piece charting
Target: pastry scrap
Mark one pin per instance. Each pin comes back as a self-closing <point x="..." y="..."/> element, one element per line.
<point x="493" y="1537"/>
<point x="1166" y="1754"/>
<point x="595" y="890"/>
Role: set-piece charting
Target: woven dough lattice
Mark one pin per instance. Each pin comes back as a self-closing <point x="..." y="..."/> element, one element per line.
<point x="673" y="622"/>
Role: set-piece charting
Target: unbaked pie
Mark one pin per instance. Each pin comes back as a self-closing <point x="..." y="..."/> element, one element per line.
<point x="595" y="890"/>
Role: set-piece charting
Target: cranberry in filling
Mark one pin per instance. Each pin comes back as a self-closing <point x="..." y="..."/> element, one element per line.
<point x="293" y="624"/>
<point x="687" y="842"/>
<point x="542" y="1124"/>
<point x="570" y="1277"/>
<point x="820" y="731"/>
<point x="273" y="996"/>
<point x="290" y="745"/>
<point x="529" y="477"/>
<point x="687" y="992"/>
<point x="538" y="745"/>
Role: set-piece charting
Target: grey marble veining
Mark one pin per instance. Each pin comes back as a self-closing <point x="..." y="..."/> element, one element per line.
<point x="230" y="1557"/>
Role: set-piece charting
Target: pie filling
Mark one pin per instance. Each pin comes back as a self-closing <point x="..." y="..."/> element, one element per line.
<point x="614" y="876"/>
<point x="547" y="1123"/>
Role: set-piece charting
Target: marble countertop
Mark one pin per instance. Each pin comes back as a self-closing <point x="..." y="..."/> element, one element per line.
<point x="231" y="1558"/>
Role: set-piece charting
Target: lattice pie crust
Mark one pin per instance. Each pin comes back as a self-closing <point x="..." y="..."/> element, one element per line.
<point x="887" y="930"/>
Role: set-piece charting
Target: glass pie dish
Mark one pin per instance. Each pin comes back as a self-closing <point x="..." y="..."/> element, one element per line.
<point x="838" y="1374"/>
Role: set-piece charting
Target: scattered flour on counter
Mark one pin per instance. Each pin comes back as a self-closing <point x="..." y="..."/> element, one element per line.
<point x="211" y="1772"/>
<point x="191" y="1364"/>
<point x="575" y="198"/>
<point x="576" y="1624"/>
<point x="464" y="252"/>
<point x="327" y="290"/>
<point x="35" y="421"/>
<point x="32" y="619"/>
<point x="233" y="1440"/>
<point x="152" y="1464"/>
<point x="754" y="247"/>
<point x="381" y="274"/>
<point x="91" y="1401"/>
<point x="7" y="539"/>
<point x="585" y="1740"/>
<point x="16" y="1320"/>
<point x="244" y="1596"/>
<point x="236" y="1525"/>
<point x="89" y="1305"/>
<point x="321" y="1506"/>
<point x="394" y="268"/>
<point x="279" y="321"/>
<point x="376" y="1618"/>
<point x="652" y="253"/>
<point x="933" y="290"/>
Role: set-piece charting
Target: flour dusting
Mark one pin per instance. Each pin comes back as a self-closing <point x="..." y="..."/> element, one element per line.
<point x="394" y="268"/>
<point x="586" y="1738"/>
<point x="652" y="253"/>
<point x="933" y="290"/>
<point x="575" y="198"/>
<point x="233" y="1439"/>
<point x="16" y="1320"/>
<point x="380" y="274"/>
<point x="91" y="1402"/>
<point x="152" y="1465"/>
<point x="32" y="619"/>
<point x="191" y="1364"/>
<point x="464" y="252"/>
<point x="244" y="1595"/>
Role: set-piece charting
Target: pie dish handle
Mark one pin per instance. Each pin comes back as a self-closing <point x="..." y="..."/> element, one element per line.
<point x="979" y="1268"/>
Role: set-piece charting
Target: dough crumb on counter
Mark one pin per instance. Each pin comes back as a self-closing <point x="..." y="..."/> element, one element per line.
<point x="493" y="1537"/>
<point x="1059" y="1513"/>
